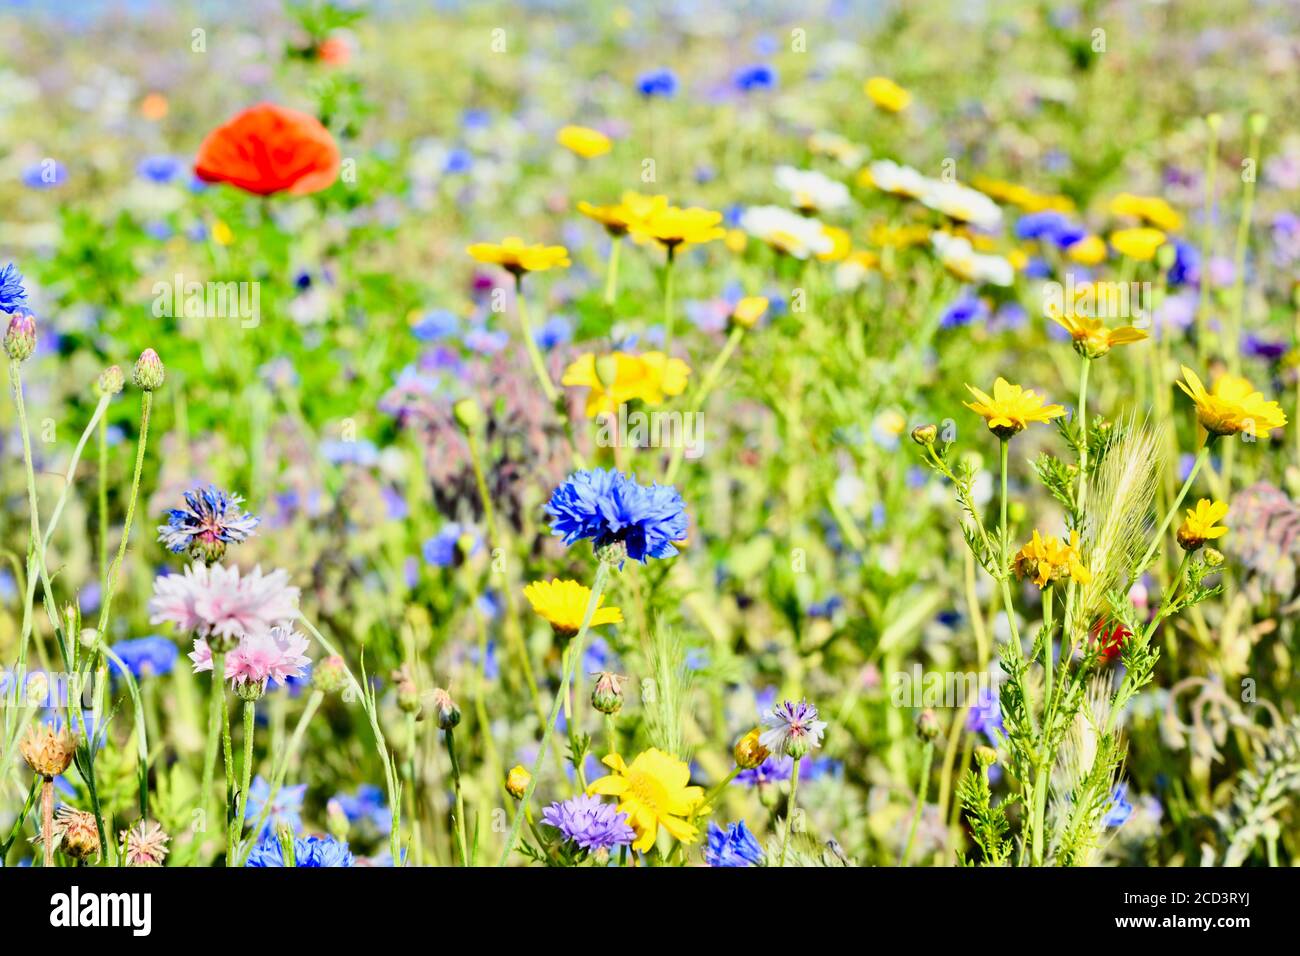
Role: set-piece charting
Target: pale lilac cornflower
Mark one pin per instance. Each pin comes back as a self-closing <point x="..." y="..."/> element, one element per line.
<point x="216" y="601"/>
<point x="588" y="822"/>
<point x="792" y="729"/>
<point x="277" y="655"/>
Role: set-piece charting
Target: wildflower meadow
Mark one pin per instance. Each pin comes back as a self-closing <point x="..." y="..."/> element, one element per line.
<point x="756" y="435"/>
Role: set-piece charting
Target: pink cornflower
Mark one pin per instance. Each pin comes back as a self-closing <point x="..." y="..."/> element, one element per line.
<point x="145" y="844"/>
<point x="792" y="729"/>
<point x="277" y="655"/>
<point x="217" y="601"/>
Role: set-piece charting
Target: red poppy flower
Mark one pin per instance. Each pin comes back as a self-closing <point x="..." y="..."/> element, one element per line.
<point x="269" y="149"/>
<point x="1110" y="637"/>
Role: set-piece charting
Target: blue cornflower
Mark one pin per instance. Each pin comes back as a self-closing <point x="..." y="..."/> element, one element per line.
<point x="151" y="656"/>
<point x="286" y="808"/>
<point x="46" y="174"/>
<point x="734" y="846"/>
<point x="557" y="331"/>
<point x="758" y="76"/>
<point x="588" y="822"/>
<point x="458" y="162"/>
<point x="986" y="715"/>
<point x="367" y="805"/>
<point x="434" y="325"/>
<point x="662" y="82"/>
<point x="442" y="549"/>
<point x="212" y="520"/>
<point x="350" y="452"/>
<point x="609" y="507"/>
<point x="12" y="294"/>
<point x="964" y="311"/>
<point x="1186" y="269"/>
<point x="160" y="169"/>
<point x="309" y="851"/>
<point x="1120" y="809"/>
<point x="772" y="770"/>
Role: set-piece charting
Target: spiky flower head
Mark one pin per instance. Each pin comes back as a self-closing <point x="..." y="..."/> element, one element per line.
<point x="590" y="823"/>
<point x="73" y="832"/>
<point x="20" y="336"/>
<point x="732" y="847"/>
<point x="145" y="844"/>
<point x="274" y="654"/>
<point x="1202" y="524"/>
<point x="47" y="751"/>
<point x="609" y="507"/>
<point x="211" y="520"/>
<point x="607" y="695"/>
<point x="111" y="381"/>
<point x="148" y="373"/>
<point x="792" y="729"/>
<point x="12" y="294"/>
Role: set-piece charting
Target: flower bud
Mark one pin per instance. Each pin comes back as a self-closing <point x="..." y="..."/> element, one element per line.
<point x="468" y="415"/>
<point x="251" y="691"/>
<point x="1257" y="123"/>
<point x="607" y="370"/>
<point x="408" y="695"/>
<point x="330" y="675"/>
<point x="749" y="311"/>
<point x="927" y="725"/>
<point x="925" y="435"/>
<point x="20" y="337"/>
<point x="1214" y="121"/>
<point x="986" y="756"/>
<point x="749" y="751"/>
<point x="607" y="695"/>
<point x="1213" y="557"/>
<point x="79" y="836"/>
<point x="517" y="781"/>
<point x="445" y="709"/>
<point x="111" y="381"/>
<point x="47" y="752"/>
<point x="336" y="821"/>
<point x="149" y="373"/>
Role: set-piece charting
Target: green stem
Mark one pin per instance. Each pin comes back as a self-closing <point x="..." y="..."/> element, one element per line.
<point x="922" y="788"/>
<point x="597" y="588"/>
<point x="530" y="343"/>
<point x="1156" y="542"/>
<point x="463" y="843"/>
<point x="611" y="270"/>
<point x="1083" y="437"/>
<point x="237" y="830"/>
<point x="668" y="300"/>
<point x="214" y="729"/>
<point x="282" y="762"/>
<point x="790" y="811"/>
<point x="146" y="404"/>
<point x="1207" y="235"/>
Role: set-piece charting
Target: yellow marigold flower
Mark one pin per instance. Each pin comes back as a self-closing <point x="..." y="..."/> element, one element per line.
<point x="887" y="94"/>
<point x="1201" y="524"/>
<point x="1232" y="406"/>
<point x="654" y="791"/>
<point x="586" y="142"/>
<point x="749" y="750"/>
<point x="1048" y="560"/>
<point x="1140" y="243"/>
<point x="620" y="377"/>
<point x="1088" y="251"/>
<point x="841" y="244"/>
<point x="749" y="310"/>
<point x="222" y="234"/>
<point x="516" y="257"/>
<point x="736" y="240"/>
<point x="563" y="603"/>
<point x="1151" y="209"/>
<point x="1091" y="337"/>
<point x="672" y="226"/>
<point x="618" y="218"/>
<point x="1011" y="408"/>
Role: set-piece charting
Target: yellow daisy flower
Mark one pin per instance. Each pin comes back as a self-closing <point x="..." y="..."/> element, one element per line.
<point x="841" y="244"/>
<point x="1201" y="524"/>
<point x="1088" y="251"/>
<point x="887" y="94"/>
<point x="584" y="141"/>
<point x="654" y="791"/>
<point x="1151" y="209"/>
<point x="517" y="257"/>
<point x="620" y="377"/>
<point x="563" y="603"/>
<point x="672" y="226"/>
<point x="1232" y="406"/>
<point x="749" y="310"/>
<point x="618" y="218"/>
<point x="1047" y="560"/>
<point x="1140" y="243"/>
<point x="1091" y="337"/>
<point x="1011" y="408"/>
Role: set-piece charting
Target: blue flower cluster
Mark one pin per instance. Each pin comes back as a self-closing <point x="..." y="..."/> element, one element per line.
<point x="608" y="507"/>
<point x="734" y="846"/>
<point x="308" y="852"/>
